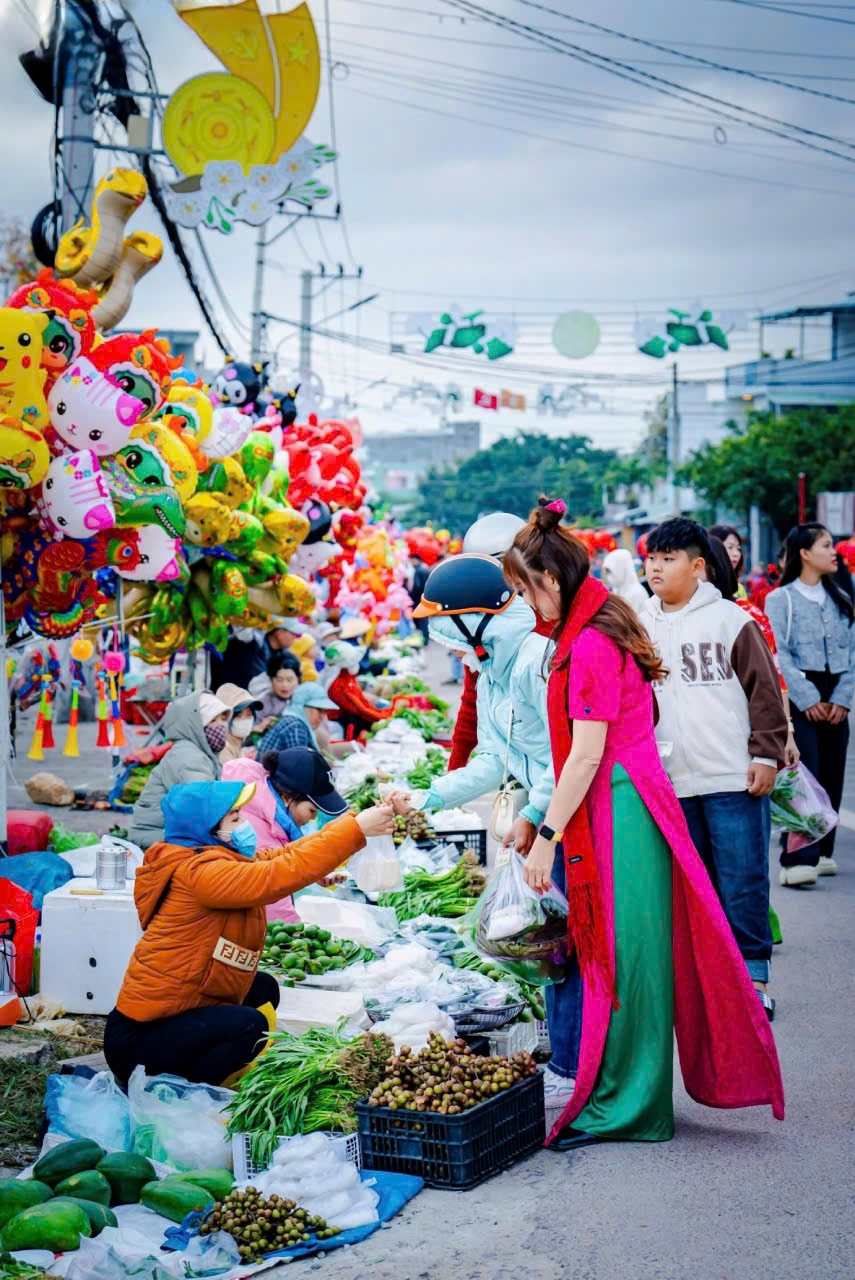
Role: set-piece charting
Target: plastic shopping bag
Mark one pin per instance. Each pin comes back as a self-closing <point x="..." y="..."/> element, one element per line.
<point x="179" y="1123"/>
<point x="801" y="808"/>
<point x="524" y="931"/>
<point x="376" y="868"/>
<point x="93" y="1107"/>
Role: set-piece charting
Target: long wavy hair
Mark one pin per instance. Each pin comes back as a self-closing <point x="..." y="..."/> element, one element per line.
<point x="801" y="538"/>
<point x="542" y="546"/>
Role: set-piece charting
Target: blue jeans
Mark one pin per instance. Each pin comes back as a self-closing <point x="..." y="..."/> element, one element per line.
<point x="564" y="1003"/>
<point x="731" y="832"/>
<point x="456" y="667"/>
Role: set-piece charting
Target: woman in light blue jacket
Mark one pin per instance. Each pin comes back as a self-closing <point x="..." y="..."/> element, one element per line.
<point x="472" y="611"/>
<point x="812" y="616"/>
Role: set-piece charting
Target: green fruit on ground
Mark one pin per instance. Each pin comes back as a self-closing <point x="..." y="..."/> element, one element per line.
<point x="99" y="1215"/>
<point x="87" y="1185"/>
<point x="219" y="1182"/>
<point x="297" y="975"/>
<point x="173" y="1198"/>
<point x="127" y="1174"/>
<point x="17" y="1194"/>
<point x="57" y="1227"/>
<point x="66" y="1159"/>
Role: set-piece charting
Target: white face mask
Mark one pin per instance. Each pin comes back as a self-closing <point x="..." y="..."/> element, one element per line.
<point x="469" y="660"/>
<point x="243" y="727"/>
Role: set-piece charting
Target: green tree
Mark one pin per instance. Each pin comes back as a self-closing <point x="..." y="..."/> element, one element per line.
<point x="510" y="475"/>
<point x="760" y="463"/>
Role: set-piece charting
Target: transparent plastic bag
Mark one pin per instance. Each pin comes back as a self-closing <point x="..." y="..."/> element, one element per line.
<point x="96" y="1108"/>
<point x="376" y="868"/>
<point x="96" y="1259"/>
<point x="525" y="932"/>
<point x="178" y="1123"/>
<point x="210" y="1255"/>
<point x="801" y="808"/>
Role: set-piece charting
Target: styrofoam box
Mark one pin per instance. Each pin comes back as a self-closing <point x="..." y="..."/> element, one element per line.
<point x="87" y="941"/>
<point x="518" y="1037"/>
<point x="299" y="1009"/>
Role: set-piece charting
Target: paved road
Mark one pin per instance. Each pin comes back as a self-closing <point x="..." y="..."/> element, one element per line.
<point x="735" y="1195"/>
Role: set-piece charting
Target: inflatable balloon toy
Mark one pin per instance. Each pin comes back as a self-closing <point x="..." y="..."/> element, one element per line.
<point x="178" y="465"/>
<point x="319" y="517"/>
<point x="257" y="454"/>
<point x="238" y="385"/>
<point x="225" y="479"/>
<point x="70" y="332"/>
<point x="24" y="456"/>
<point x="140" y="364"/>
<point x="90" y="255"/>
<point x="74" y="501"/>
<point x="134" y="476"/>
<point x="295" y="596"/>
<point x="160" y="557"/>
<point x="229" y="429"/>
<point x="208" y="520"/>
<point x="229" y="590"/>
<point x="141" y="252"/>
<point x="22" y="378"/>
<point x="189" y="411"/>
<point x="86" y="408"/>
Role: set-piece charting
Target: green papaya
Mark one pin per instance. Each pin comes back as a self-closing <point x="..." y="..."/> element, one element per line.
<point x="99" y="1215"/>
<point x="66" y="1159"/>
<point x="219" y="1182"/>
<point x="57" y="1227"/>
<point x="88" y="1185"/>
<point x="127" y="1174"/>
<point x="174" y="1199"/>
<point x="17" y="1194"/>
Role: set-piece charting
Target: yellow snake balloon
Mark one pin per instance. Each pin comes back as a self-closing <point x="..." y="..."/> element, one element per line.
<point x="101" y="256"/>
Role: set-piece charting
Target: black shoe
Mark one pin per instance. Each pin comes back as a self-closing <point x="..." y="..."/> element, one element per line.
<point x="569" y="1139"/>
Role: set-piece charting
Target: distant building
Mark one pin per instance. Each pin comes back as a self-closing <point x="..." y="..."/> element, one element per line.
<point x="394" y="463"/>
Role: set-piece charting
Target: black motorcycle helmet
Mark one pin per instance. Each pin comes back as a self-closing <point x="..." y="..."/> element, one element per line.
<point x="468" y="583"/>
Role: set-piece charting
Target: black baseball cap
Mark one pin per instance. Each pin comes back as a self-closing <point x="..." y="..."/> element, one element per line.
<point x="301" y="771"/>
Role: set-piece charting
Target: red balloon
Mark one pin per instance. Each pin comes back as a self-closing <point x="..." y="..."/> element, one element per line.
<point x="327" y="459"/>
<point x="299" y="457"/>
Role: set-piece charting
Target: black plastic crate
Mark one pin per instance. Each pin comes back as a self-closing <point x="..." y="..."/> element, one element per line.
<point x="455" y="1151"/>
<point x="475" y="840"/>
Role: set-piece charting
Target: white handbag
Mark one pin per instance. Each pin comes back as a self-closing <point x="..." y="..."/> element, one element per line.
<point x="511" y="797"/>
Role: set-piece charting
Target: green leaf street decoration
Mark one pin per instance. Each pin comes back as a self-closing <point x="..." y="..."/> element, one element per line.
<point x="697" y="327"/>
<point x="471" y="331"/>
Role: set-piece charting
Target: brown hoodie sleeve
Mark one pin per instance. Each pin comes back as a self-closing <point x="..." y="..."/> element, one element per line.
<point x="752" y="661"/>
<point x="273" y="873"/>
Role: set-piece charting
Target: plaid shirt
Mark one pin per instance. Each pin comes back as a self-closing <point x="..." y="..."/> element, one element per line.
<point x="290" y="731"/>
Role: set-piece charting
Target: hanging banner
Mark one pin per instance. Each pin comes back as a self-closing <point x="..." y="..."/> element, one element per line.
<point x="697" y="327"/>
<point x="511" y="400"/>
<point x="472" y="331"/>
<point x="484" y="400"/>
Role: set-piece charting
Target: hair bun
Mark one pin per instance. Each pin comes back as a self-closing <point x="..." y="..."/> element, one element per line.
<point x="548" y="514"/>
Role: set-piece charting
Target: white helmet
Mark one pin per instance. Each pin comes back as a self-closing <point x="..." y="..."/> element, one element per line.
<point x="492" y="535"/>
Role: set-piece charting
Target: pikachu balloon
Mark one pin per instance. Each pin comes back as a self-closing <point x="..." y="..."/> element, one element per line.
<point x="257" y="111"/>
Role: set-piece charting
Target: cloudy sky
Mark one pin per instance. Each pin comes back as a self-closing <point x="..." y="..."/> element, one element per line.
<point x="482" y="169"/>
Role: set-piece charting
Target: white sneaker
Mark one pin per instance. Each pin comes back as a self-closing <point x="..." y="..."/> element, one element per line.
<point x="557" y="1090"/>
<point x="827" y="867"/>
<point x="798" y="877"/>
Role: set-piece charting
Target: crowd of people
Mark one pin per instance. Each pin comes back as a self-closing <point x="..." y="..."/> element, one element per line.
<point x="634" y="730"/>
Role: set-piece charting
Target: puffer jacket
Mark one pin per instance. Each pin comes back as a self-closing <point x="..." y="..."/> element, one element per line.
<point x="513" y="676"/>
<point x="620" y="577"/>
<point x="201" y="904"/>
<point x="190" y="759"/>
<point x="812" y="637"/>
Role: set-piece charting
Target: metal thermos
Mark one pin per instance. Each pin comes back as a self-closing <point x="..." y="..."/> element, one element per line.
<point x="111" y="864"/>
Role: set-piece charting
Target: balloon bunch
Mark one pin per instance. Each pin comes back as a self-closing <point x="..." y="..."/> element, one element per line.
<point x="373" y="573"/>
<point x="595" y="540"/>
<point x="322" y="463"/>
<point x="425" y="543"/>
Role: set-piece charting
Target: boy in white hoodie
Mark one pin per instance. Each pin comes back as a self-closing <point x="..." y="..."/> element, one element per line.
<point x="722" y="728"/>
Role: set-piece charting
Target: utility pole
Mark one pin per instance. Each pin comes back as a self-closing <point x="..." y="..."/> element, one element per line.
<point x="259" y="322"/>
<point x="81" y="52"/>
<point x="305" y="366"/>
<point x="674" y="442"/>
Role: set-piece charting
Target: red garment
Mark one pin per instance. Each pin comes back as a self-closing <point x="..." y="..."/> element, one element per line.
<point x="346" y="692"/>
<point x="765" y="626"/>
<point x="464" y="740"/>
<point x="586" y="919"/>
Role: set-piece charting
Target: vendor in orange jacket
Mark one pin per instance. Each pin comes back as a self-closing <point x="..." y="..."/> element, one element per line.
<point x="192" y="1003"/>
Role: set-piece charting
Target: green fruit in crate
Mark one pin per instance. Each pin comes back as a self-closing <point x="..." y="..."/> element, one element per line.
<point x="219" y="1182"/>
<point x="99" y="1215"/>
<point x="173" y="1198"/>
<point x="57" y="1227"/>
<point x="127" y="1174"/>
<point x="87" y="1185"/>
<point x="66" y="1159"/>
<point x="297" y="975"/>
<point x="17" y="1194"/>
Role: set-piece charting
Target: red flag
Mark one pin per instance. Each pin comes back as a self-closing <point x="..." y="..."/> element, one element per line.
<point x="512" y="400"/>
<point x="484" y="400"/>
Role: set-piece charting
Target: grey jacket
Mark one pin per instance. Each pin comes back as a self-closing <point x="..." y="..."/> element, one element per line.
<point x="189" y="760"/>
<point x="812" y="637"/>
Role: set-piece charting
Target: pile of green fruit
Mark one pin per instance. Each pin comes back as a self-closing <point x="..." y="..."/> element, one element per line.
<point x="74" y="1186"/>
<point x="463" y="958"/>
<point x="293" y="952"/>
<point x="447" y="1077"/>
<point x="263" y="1226"/>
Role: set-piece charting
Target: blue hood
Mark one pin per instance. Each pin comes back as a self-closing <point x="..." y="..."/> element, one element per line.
<point x="502" y="636"/>
<point x="192" y="810"/>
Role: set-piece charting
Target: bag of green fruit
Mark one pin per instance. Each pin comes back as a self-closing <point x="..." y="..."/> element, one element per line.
<point x="523" y="931"/>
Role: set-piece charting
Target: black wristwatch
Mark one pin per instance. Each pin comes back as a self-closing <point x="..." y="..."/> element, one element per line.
<point x="548" y="834"/>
